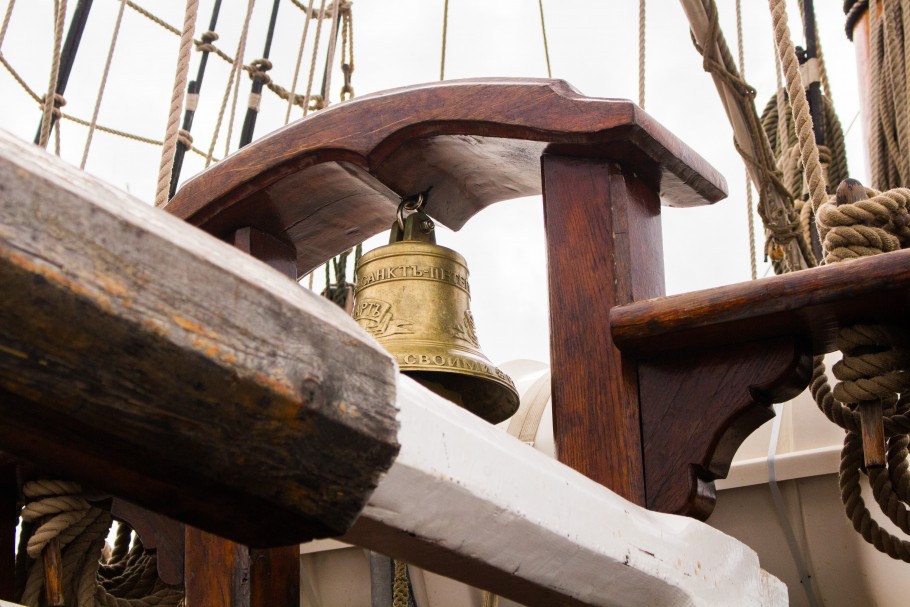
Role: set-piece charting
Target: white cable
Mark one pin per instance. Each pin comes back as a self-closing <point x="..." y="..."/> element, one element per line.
<point x="778" y="500"/>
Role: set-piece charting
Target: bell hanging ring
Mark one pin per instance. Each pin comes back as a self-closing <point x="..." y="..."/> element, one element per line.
<point x="413" y="296"/>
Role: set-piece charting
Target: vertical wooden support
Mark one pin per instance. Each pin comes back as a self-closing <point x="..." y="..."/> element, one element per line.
<point x="266" y="248"/>
<point x="603" y="231"/>
<point x="275" y="577"/>
<point x="9" y="519"/>
<point x="217" y="571"/>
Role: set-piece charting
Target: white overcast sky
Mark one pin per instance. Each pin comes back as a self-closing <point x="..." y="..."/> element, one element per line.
<point x="593" y="45"/>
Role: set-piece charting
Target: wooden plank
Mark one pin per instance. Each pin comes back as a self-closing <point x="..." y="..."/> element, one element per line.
<point x="466" y="500"/>
<point x="595" y="393"/>
<point x="333" y="179"/>
<point x="143" y="357"/>
<point x="812" y="304"/>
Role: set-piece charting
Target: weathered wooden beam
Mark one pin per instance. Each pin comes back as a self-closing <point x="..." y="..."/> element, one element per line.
<point x="144" y="357"/>
<point x="466" y="500"/>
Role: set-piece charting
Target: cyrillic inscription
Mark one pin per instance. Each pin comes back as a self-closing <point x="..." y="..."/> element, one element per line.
<point x="413" y="271"/>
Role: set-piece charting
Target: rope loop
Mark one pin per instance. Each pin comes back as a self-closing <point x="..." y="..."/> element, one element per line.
<point x="258" y="68"/>
<point x="206" y="45"/>
<point x="59" y="102"/>
<point x="185" y="138"/>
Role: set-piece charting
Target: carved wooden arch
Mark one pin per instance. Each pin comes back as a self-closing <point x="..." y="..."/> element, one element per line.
<point x="333" y="179"/>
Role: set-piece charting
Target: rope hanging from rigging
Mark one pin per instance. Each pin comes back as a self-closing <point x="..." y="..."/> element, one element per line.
<point x="871" y="402"/>
<point x="193" y="89"/>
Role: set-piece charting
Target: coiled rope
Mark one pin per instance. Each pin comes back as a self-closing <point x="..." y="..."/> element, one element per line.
<point x="873" y="371"/>
<point x="92" y="577"/>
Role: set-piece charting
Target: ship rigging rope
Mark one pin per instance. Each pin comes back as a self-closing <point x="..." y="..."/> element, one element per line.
<point x="51" y="97"/>
<point x="107" y="69"/>
<point x="750" y="210"/>
<point x="874" y="369"/>
<point x="303" y="36"/>
<point x="330" y="54"/>
<point x="233" y="82"/>
<point x="445" y="31"/>
<point x="641" y="51"/>
<point x="309" y="84"/>
<point x="775" y="202"/>
<point x="6" y="19"/>
<point x="546" y="47"/>
<point x="889" y="136"/>
<point x="173" y="120"/>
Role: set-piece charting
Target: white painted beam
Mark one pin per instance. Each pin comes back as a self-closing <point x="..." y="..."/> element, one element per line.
<point x="467" y="501"/>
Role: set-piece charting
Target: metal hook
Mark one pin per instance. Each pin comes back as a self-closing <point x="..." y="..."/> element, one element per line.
<point x="411" y="204"/>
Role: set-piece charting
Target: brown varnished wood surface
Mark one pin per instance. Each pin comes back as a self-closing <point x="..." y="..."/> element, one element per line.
<point x="333" y="179"/>
<point x="217" y="571"/>
<point x="275" y="577"/>
<point x="812" y="303"/>
<point x="595" y="392"/>
<point x="158" y="534"/>
<point x="699" y="405"/>
<point x="9" y="519"/>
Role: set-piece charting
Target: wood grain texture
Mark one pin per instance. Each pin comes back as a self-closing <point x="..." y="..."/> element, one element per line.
<point x="163" y="536"/>
<point x="333" y="179"/>
<point x="217" y="571"/>
<point x="274" y="572"/>
<point x="812" y="304"/>
<point x="266" y="248"/>
<point x="698" y="406"/>
<point x="9" y="519"/>
<point x="595" y="393"/>
<point x="52" y="560"/>
<point x="275" y="577"/>
<point x="146" y="358"/>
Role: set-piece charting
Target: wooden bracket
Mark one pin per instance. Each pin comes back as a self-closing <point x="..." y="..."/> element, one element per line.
<point x="699" y="405"/>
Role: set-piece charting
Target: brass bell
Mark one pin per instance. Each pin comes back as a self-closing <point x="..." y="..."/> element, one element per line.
<point x="413" y="296"/>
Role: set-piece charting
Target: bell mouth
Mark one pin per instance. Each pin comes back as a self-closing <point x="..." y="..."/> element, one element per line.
<point x="463" y="376"/>
<point x="485" y="397"/>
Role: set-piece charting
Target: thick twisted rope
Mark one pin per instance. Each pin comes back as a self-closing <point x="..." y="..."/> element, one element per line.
<point x="173" y="120"/>
<point x="127" y="578"/>
<point x="775" y="205"/>
<point x="799" y="105"/>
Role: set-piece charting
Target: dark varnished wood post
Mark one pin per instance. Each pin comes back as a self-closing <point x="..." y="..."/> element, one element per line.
<point x="604" y="249"/>
<point x="217" y="571"/>
<point x="9" y="519"/>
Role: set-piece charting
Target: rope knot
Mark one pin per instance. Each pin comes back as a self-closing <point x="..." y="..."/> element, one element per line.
<point x="258" y="69"/>
<point x="205" y="45"/>
<point x="185" y="138"/>
<point x="59" y="102"/>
